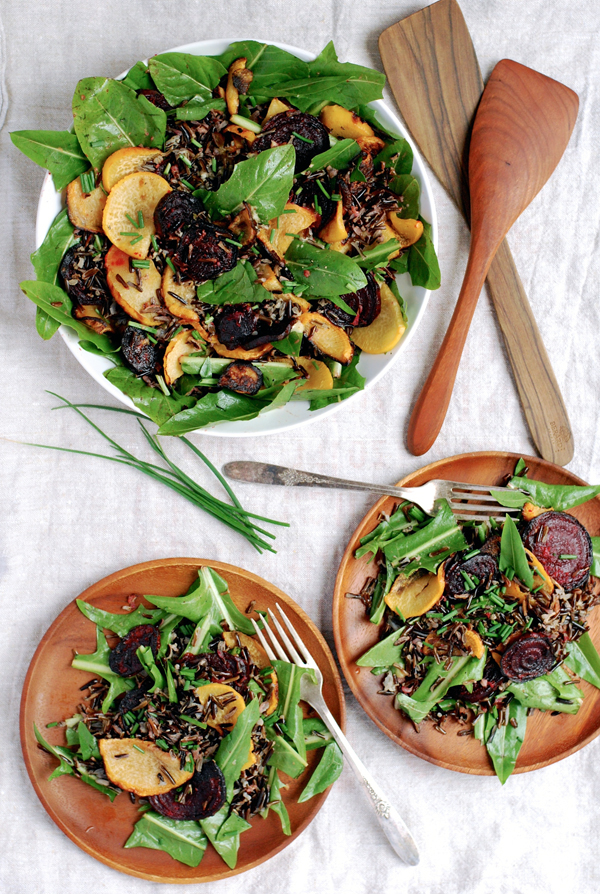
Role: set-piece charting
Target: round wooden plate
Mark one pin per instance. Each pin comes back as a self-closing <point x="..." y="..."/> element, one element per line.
<point x="52" y="692"/>
<point x="548" y="738"/>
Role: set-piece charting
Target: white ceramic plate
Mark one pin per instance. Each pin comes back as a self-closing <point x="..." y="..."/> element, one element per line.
<point x="371" y="366"/>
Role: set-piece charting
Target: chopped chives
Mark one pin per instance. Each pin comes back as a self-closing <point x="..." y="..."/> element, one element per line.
<point x="142" y="263"/>
<point x="193" y="721"/>
<point x="481" y="628"/>
<point x="131" y="220"/>
<point x="213" y="163"/>
<point x="162" y="744"/>
<point x="336" y="197"/>
<point x="474" y="552"/>
<point x="140" y="222"/>
<point x="234" y="242"/>
<point x="88" y="181"/>
<point x="567" y="556"/>
<point x="154" y="242"/>
<point x="167" y="169"/>
<point x="123" y="233"/>
<point x="171" y="264"/>
<point x="98" y="243"/>
<point x="136" y="240"/>
<point x="300" y="137"/>
<point x="185" y="160"/>
<point x="186" y="183"/>
<point x="196" y="143"/>
<point x="137" y="748"/>
<point x="323" y="190"/>
<point x="53" y="724"/>
<point x="163" y="385"/>
<point x="451" y="614"/>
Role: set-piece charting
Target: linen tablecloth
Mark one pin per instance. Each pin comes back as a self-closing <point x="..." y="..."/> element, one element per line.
<point x="69" y="520"/>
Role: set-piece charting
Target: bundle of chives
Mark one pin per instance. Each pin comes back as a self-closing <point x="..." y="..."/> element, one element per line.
<point x="234" y="516"/>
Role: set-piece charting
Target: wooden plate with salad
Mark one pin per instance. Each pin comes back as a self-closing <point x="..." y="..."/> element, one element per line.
<point x="251" y="246"/>
<point x="167" y="736"/>
<point x="476" y="656"/>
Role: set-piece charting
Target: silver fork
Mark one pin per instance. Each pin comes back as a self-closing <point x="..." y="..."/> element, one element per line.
<point x="311" y="692"/>
<point x="469" y="502"/>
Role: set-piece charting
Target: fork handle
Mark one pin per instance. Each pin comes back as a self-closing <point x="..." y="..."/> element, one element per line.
<point x="266" y="473"/>
<point x="389" y="819"/>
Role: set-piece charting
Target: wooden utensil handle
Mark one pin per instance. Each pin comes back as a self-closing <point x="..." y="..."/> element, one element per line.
<point x="538" y="389"/>
<point x="430" y="409"/>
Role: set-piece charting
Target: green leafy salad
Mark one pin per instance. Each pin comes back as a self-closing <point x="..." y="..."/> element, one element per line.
<point x="480" y="624"/>
<point x="233" y="229"/>
<point x="187" y="714"/>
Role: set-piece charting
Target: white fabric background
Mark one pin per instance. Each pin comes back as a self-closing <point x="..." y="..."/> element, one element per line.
<point x="68" y="521"/>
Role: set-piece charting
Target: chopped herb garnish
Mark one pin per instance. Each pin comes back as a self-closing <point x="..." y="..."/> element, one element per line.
<point x="186" y="183"/>
<point x="566" y="556"/>
<point x="323" y="190"/>
<point x="185" y="160"/>
<point x="141" y="263"/>
<point x="171" y="264"/>
<point x="300" y="137"/>
<point x="137" y="748"/>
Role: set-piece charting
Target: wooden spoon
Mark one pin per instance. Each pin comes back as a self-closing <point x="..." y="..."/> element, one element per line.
<point x="435" y="77"/>
<point x="521" y="130"/>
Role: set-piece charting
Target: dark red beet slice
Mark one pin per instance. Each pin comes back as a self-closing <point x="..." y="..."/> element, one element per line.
<point x="285" y="127"/>
<point x="157" y="99"/>
<point x="207" y="796"/>
<point x="366" y="303"/>
<point x="483" y="689"/>
<point x="236" y="325"/>
<point x="527" y="658"/>
<point x="227" y="668"/>
<point x="482" y="569"/>
<point x="139" y="354"/>
<point x="123" y="659"/>
<point x="242" y="377"/>
<point x="555" y="534"/>
<point x="175" y="211"/>
<point x="204" y="253"/>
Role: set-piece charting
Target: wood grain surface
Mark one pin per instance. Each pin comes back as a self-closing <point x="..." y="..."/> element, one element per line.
<point x="548" y="739"/>
<point x="521" y="130"/>
<point x="52" y="692"/>
<point x="434" y="74"/>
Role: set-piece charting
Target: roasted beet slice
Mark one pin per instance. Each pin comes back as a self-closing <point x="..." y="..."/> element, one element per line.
<point x="224" y="667"/>
<point x="83" y="279"/>
<point x="242" y="377"/>
<point x="482" y="569"/>
<point x="176" y="211"/>
<point x="204" y="253"/>
<point x="527" y="658"/>
<point x="366" y="303"/>
<point x="131" y="700"/>
<point x="123" y="659"/>
<point x="554" y="535"/>
<point x="491" y="547"/>
<point x="236" y="325"/>
<point x="312" y="190"/>
<point x="203" y="796"/>
<point x="157" y="99"/>
<point x="484" y="688"/>
<point x="305" y="132"/>
<point x="139" y="354"/>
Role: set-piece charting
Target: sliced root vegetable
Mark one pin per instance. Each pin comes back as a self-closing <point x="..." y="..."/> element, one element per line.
<point x="409" y="230"/>
<point x="125" y="161"/>
<point x="540" y="575"/>
<point x="273" y="699"/>
<point x="342" y="247"/>
<point x="132" y="294"/>
<point x="384" y="233"/>
<point x="93" y="319"/>
<point x="387" y="329"/>
<point x="242" y="377"/>
<point x="275" y="107"/>
<point x="531" y="511"/>
<point x="267" y="278"/>
<point x="335" y="231"/>
<point x="267" y="247"/>
<point x="239" y="79"/>
<point x="239" y="353"/>
<point x="473" y="643"/>
<point x="327" y="338"/>
<point x="85" y="210"/>
<point x="318" y="375"/>
<point x="233" y="639"/>
<point x="141" y="767"/>
<point x="178" y="296"/>
<point x="251" y="760"/>
<point x="294" y="219"/>
<point x="221" y="703"/>
<point x="242" y="132"/>
<point x="131" y="202"/>
<point x="416" y="594"/>
<point x="244" y="227"/>
<point x="184" y="343"/>
<point x="346" y="125"/>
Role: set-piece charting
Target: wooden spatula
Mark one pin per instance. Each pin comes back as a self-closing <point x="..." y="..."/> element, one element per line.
<point x="521" y="130"/>
<point x="434" y="74"/>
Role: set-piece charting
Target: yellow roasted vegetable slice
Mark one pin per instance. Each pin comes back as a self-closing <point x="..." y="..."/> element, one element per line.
<point x="257" y="654"/>
<point x="294" y="219"/>
<point x="416" y="594"/>
<point x="142" y="767"/>
<point x="327" y="338"/>
<point x="85" y="210"/>
<point x="134" y="289"/>
<point x="386" y="330"/>
<point x="276" y="106"/>
<point x="346" y="125"/>
<point x="183" y="344"/>
<point x="221" y="703"/>
<point x="125" y="161"/>
<point x="318" y="375"/>
<point x="128" y="218"/>
<point x="178" y="296"/>
<point x="473" y="643"/>
<point x="407" y="230"/>
<point x="335" y="231"/>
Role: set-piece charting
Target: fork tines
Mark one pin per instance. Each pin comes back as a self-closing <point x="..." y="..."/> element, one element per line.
<point x="273" y="647"/>
<point x="475" y="502"/>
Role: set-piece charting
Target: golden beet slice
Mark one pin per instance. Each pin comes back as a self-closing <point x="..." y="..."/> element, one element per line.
<point x="183" y="344"/>
<point x="85" y="210"/>
<point x="408" y="231"/>
<point x="141" y="767"/>
<point x="134" y="289"/>
<point x="294" y="219"/>
<point x="125" y="161"/>
<point x="414" y="595"/>
<point x="178" y="296"/>
<point x="346" y="125"/>
<point x="221" y="703"/>
<point x="327" y="338"/>
<point x="335" y="231"/>
<point x="387" y="329"/>
<point x="128" y="218"/>
<point x="233" y="639"/>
